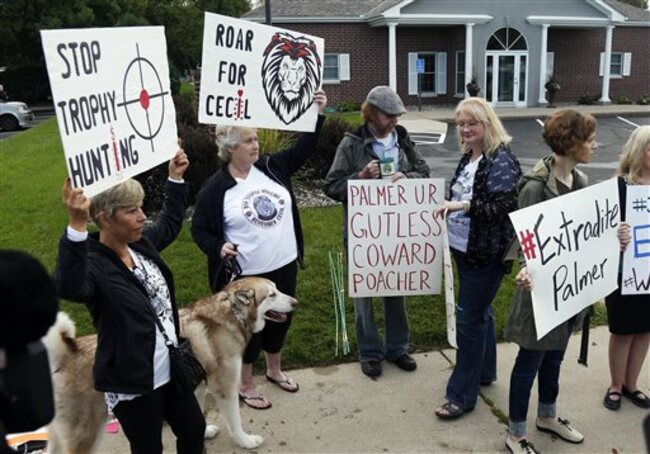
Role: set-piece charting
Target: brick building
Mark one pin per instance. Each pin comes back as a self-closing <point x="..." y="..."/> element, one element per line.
<point x="431" y="49"/>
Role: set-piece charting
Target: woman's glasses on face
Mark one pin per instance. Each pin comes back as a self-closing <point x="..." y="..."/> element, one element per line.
<point x="468" y="124"/>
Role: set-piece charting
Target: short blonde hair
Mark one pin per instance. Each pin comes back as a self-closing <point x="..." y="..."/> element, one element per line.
<point x="227" y="138"/>
<point x="631" y="161"/>
<point x="126" y="194"/>
<point x="480" y="110"/>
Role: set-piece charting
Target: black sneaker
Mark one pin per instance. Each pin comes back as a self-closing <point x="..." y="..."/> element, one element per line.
<point x="371" y="367"/>
<point x="406" y="362"/>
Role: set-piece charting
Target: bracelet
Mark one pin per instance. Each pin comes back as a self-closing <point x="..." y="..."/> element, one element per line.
<point x="466" y="205"/>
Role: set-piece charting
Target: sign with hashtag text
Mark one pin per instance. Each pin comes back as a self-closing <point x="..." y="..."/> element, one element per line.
<point x="394" y="241"/>
<point x="636" y="258"/>
<point x="571" y="251"/>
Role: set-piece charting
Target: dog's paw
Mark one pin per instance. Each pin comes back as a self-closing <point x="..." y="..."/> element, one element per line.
<point x="250" y="441"/>
<point x="211" y="431"/>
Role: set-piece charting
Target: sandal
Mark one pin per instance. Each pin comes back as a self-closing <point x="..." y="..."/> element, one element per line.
<point x="609" y="402"/>
<point x="248" y="400"/>
<point x="637" y="397"/>
<point x="452" y="410"/>
<point x="288" y="384"/>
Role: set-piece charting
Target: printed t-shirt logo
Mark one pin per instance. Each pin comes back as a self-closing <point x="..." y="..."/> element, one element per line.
<point x="263" y="208"/>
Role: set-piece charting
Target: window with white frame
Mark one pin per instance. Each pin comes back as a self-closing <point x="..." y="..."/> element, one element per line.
<point x="336" y="68"/>
<point x="433" y="80"/>
<point x="460" y="72"/>
<point x="620" y="64"/>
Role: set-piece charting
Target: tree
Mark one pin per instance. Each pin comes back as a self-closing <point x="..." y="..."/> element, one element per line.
<point x="638" y="3"/>
<point x="22" y="20"/>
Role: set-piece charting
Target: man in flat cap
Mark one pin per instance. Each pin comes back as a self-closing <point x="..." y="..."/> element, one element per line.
<point x="379" y="149"/>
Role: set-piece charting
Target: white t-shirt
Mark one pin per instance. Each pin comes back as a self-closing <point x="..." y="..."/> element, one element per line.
<point x="458" y="221"/>
<point x="258" y="218"/>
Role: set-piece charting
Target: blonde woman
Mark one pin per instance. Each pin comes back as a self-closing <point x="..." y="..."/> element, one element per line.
<point x="482" y="193"/>
<point x="629" y="315"/>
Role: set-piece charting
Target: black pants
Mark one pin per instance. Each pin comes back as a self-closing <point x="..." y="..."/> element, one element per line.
<point x="142" y="421"/>
<point x="271" y="338"/>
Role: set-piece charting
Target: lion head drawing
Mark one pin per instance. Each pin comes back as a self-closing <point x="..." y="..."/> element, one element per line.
<point x="291" y="74"/>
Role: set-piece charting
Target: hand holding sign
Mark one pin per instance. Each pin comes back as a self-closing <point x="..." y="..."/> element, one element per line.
<point x="77" y="204"/>
<point x="178" y="165"/>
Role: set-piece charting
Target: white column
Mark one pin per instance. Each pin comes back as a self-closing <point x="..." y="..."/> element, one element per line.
<point x="469" y="70"/>
<point x="542" y="65"/>
<point x="607" y="64"/>
<point x="392" y="55"/>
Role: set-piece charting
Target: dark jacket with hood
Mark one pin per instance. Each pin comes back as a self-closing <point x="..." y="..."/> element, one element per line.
<point x="208" y="224"/>
<point x="91" y="273"/>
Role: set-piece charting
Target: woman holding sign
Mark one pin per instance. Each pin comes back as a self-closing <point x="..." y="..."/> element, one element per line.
<point x="629" y="315"/>
<point x="482" y="193"/>
<point x="247" y="213"/>
<point x="571" y="136"/>
<point x="129" y="290"/>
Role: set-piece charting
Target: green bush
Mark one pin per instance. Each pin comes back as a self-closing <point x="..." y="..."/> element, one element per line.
<point x="349" y="106"/>
<point x="588" y="100"/>
<point x="319" y="162"/>
<point x="644" y="100"/>
<point x="272" y="140"/>
<point x="621" y="99"/>
<point x="27" y="83"/>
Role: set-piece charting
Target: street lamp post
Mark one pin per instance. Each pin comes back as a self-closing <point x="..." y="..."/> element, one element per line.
<point x="267" y="11"/>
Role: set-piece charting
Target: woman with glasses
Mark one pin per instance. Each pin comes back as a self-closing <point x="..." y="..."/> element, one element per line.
<point x="482" y="192"/>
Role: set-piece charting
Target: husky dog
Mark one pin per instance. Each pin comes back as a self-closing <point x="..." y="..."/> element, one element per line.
<point x="219" y="328"/>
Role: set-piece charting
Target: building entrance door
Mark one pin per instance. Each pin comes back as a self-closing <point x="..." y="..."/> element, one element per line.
<point x="505" y="78"/>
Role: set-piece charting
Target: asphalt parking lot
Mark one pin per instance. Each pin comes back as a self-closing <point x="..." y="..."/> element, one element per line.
<point x="39" y="117"/>
<point x="611" y="135"/>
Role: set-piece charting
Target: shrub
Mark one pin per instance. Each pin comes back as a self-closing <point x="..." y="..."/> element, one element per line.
<point x="644" y="100"/>
<point x="185" y="111"/>
<point x="319" y="162"/>
<point x="588" y="100"/>
<point x="349" y="106"/>
<point x="622" y="99"/>
<point x="272" y="140"/>
<point x="27" y="83"/>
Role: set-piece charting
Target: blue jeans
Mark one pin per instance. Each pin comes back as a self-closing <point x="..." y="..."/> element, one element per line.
<point x="476" y="357"/>
<point x="396" y="329"/>
<point x="530" y="363"/>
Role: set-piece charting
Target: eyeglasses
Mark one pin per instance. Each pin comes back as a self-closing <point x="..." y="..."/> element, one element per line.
<point x="469" y="124"/>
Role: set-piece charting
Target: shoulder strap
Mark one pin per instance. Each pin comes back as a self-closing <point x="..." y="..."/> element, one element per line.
<point x="168" y="341"/>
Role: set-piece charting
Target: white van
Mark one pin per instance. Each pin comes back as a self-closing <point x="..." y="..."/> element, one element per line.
<point x="14" y="115"/>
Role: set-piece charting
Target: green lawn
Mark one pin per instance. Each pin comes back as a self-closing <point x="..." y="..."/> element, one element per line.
<point x="32" y="218"/>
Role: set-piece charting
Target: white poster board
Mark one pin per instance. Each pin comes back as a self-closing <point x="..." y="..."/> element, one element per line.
<point x="450" y="298"/>
<point x="636" y="258"/>
<point x="394" y="241"/>
<point x="110" y="88"/>
<point x="259" y="76"/>
<point x="571" y="250"/>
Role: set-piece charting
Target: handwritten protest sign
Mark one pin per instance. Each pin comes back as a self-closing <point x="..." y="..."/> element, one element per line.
<point x="571" y="250"/>
<point x="113" y="104"/>
<point x="394" y="241"/>
<point x="636" y="259"/>
<point x="258" y="76"/>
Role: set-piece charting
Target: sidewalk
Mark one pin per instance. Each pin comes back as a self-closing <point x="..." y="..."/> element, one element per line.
<point x="339" y="410"/>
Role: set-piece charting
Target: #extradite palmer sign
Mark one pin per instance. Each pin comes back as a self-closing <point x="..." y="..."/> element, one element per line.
<point x="571" y="250"/>
<point x="636" y="259"/>
<point x="256" y="75"/>
<point x="111" y="94"/>
<point x="394" y="241"/>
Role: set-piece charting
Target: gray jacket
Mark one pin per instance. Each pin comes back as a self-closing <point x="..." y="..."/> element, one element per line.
<point x="536" y="186"/>
<point x="355" y="152"/>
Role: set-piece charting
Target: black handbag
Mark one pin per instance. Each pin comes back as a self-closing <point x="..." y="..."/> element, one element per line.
<point x="185" y="370"/>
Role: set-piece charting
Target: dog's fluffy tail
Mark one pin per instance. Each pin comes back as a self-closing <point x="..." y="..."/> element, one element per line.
<point x="60" y="339"/>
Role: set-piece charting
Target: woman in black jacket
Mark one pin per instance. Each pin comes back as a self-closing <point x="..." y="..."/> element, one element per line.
<point x="247" y="211"/>
<point x="120" y="276"/>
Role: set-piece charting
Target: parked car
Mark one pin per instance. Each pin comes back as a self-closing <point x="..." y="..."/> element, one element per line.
<point x="14" y="115"/>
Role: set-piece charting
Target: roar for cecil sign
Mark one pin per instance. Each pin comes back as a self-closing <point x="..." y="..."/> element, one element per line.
<point x="113" y="103"/>
<point x="258" y="76"/>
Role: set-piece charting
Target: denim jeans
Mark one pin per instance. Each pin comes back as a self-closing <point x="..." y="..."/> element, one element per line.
<point x="530" y="363"/>
<point x="396" y="329"/>
<point x="476" y="356"/>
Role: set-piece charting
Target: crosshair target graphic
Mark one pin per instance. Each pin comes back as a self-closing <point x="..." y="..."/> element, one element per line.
<point x="149" y="103"/>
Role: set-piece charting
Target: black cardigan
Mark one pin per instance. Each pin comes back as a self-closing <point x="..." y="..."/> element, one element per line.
<point x="207" y="222"/>
<point x="89" y="272"/>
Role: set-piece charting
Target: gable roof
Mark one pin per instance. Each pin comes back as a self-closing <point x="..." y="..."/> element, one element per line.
<point x="362" y="10"/>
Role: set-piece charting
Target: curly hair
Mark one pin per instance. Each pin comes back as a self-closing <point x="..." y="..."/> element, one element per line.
<point x="567" y="130"/>
<point x="631" y="162"/>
